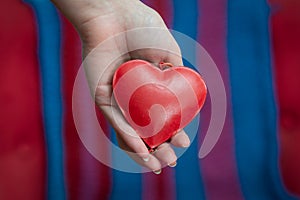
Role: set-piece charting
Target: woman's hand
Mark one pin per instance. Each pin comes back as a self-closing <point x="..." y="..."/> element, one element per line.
<point x="97" y="23"/>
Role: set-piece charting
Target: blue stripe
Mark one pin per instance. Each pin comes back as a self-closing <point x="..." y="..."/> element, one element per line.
<point x="49" y="57"/>
<point x="124" y="185"/>
<point x="254" y="110"/>
<point x="188" y="179"/>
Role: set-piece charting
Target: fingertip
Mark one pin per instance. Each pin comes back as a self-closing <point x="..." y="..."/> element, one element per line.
<point x="151" y="163"/>
<point x="165" y="154"/>
<point x="144" y="156"/>
<point x="181" y="139"/>
<point x="146" y="159"/>
<point x="173" y="164"/>
<point x="157" y="171"/>
<point x="185" y="142"/>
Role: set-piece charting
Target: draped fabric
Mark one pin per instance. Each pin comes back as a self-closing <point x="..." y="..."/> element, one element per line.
<point x="256" y="48"/>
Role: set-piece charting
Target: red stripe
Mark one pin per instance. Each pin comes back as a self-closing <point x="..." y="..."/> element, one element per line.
<point x="87" y="178"/>
<point x="219" y="168"/>
<point x="285" y="24"/>
<point x="22" y="148"/>
<point x="164" y="8"/>
<point x="160" y="186"/>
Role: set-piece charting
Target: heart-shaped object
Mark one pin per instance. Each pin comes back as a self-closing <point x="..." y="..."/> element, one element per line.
<point x="158" y="101"/>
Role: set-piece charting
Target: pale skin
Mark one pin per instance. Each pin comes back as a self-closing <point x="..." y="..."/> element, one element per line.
<point x="95" y="21"/>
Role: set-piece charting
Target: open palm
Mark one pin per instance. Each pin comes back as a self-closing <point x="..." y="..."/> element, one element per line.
<point x="115" y="36"/>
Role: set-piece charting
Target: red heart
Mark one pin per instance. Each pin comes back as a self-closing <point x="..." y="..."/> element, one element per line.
<point x="158" y="101"/>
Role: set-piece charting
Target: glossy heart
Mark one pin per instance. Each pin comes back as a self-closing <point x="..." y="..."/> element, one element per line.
<point x="158" y="101"/>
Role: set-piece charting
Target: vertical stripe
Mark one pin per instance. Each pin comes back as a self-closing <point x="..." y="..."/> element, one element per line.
<point x="160" y="186"/>
<point x="22" y="147"/>
<point x="72" y="148"/>
<point x="188" y="179"/>
<point x="49" y="56"/>
<point x="90" y="129"/>
<point x="94" y="177"/>
<point x="87" y="178"/>
<point x="253" y="100"/>
<point x="285" y="24"/>
<point x="105" y="172"/>
<point x="125" y="185"/>
<point x="218" y="168"/>
<point x="164" y="8"/>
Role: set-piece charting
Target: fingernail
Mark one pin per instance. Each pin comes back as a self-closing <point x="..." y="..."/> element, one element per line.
<point x="144" y="156"/>
<point x="146" y="159"/>
<point x="157" y="171"/>
<point x="185" y="143"/>
<point x="173" y="164"/>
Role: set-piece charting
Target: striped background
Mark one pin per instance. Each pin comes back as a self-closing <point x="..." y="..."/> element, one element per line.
<point x="256" y="47"/>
